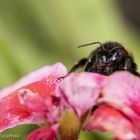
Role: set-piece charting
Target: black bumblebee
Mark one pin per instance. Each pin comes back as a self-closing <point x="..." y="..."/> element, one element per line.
<point x="106" y="59"/>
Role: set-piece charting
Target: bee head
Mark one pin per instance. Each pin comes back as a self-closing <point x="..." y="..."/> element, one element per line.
<point x="110" y="58"/>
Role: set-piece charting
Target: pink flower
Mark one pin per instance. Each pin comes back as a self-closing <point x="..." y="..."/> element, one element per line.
<point x="27" y="101"/>
<point x="115" y="99"/>
<point x="122" y="91"/>
<point x="106" y="118"/>
<point x="46" y="133"/>
<point x="81" y="101"/>
<point x="80" y="91"/>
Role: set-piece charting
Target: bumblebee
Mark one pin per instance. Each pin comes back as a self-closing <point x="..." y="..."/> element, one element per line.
<point x="106" y="59"/>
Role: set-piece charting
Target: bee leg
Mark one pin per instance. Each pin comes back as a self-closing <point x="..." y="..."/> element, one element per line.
<point x="79" y="64"/>
<point x="76" y="66"/>
<point x="89" y="66"/>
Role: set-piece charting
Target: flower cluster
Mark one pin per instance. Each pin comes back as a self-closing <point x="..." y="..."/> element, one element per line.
<point x="81" y="101"/>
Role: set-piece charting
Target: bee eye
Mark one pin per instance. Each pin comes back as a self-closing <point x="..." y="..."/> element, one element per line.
<point x="104" y="58"/>
<point x="115" y="56"/>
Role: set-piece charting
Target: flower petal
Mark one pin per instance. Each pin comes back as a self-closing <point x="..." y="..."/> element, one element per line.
<point x="80" y="91"/>
<point x="108" y="119"/>
<point x="47" y="133"/>
<point x="122" y="91"/>
<point x="41" y="82"/>
<point x="40" y="107"/>
<point x="56" y="70"/>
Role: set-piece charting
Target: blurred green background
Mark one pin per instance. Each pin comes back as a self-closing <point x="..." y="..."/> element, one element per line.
<point x="34" y="33"/>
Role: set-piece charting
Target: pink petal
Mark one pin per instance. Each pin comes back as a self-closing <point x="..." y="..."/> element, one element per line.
<point x="56" y="70"/>
<point x="108" y="119"/>
<point x="41" y="83"/>
<point x="122" y="90"/>
<point x="47" y="133"/>
<point x="40" y="107"/>
<point x="80" y="91"/>
<point x="33" y="101"/>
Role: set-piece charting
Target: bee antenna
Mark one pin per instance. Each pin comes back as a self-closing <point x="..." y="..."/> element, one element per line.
<point x="92" y="43"/>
